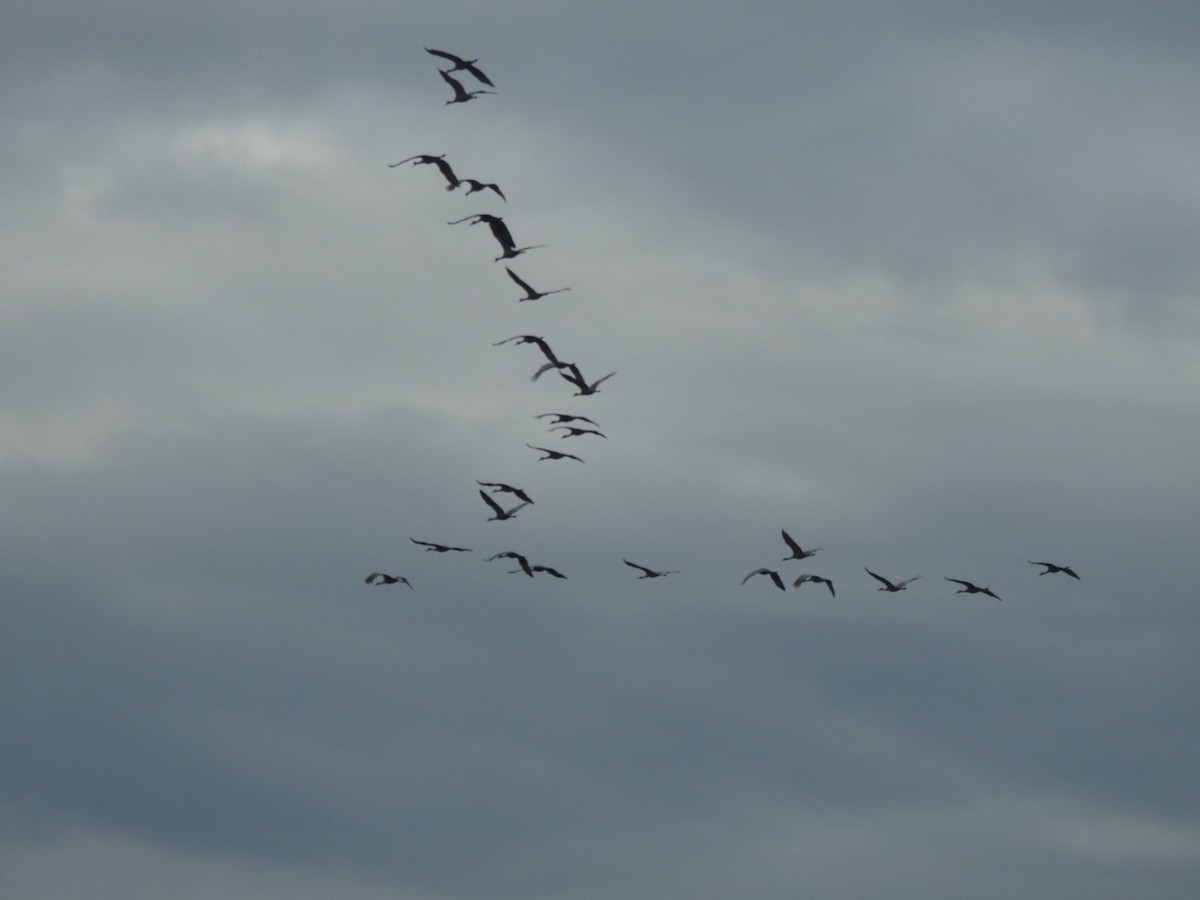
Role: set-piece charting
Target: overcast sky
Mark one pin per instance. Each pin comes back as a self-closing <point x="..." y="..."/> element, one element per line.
<point x="915" y="281"/>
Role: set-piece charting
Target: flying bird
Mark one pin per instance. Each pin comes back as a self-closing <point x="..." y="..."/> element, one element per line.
<point x="771" y="572"/>
<point x="553" y="364"/>
<point x="431" y="547"/>
<point x="816" y="579"/>
<point x="473" y="185"/>
<point x="460" y="63"/>
<point x="797" y="553"/>
<point x="512" y="554"/>
<point x="891" y="587"/>
<point x="572" y="431"/>
<point x="539" y="342"/>
<point x="500" y="232"/>
<point x="501" y="487"/>
<point x="552" y="454"/>
<point x="500" y="513"/>
<point x="562" y="418"/>
<point x="547" y="570"/>
<point x="1051" y="568"/>
<point x="968" y="588"/>
<point x="576" y="378"/>
<point x="650" y="573"/>
<point x="382" y="578"/>
<point x="461" y="94"/>
<point x="530" y="293"/>
<point x="440" y="161"/>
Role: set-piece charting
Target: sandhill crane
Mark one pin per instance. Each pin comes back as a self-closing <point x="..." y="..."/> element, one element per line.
<point x="576" y="378"/>
<point x="553" y="454"/>
<point x="513" y="252"/>
<point x="501" y="514"/>
<point x="473" y="185"/>
<point x="650" y="573"/>
<point x="499" y="230"/>
<point x="381" y="578"/>
<point x="547" y="570"/>
<point x="797" y="553"/>
<point x="562" y="418"/>
<point x="512" y="554"/>
<point x="452" y="180"/>
<point x="771" y="572"/>
<point x="815" y="579"/>
<point x="572" y="431"/>
<point x="968" y="588"/>
<point x="431" y="547"/>
<point x="1051" y="568"/>
<point x="531" y="339"/>
<point x="889" y="586"/>
<point x="553" y="364"/>
<point x="501" y="487"/>
<point x="460" y="63"/>
<point x="530" y="293"/>
<point x="461" y="94"/>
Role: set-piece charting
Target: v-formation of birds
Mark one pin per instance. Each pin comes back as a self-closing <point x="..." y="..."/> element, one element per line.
<point x="570" y="372"/>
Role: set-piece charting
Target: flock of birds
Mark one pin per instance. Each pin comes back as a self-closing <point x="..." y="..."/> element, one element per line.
<point x="564" y="423"/>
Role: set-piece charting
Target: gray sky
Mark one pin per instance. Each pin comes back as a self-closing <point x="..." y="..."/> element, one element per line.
<point x="914" y="281"/>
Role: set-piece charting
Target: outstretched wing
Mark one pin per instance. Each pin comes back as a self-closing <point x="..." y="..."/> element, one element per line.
<point x="880" y="578"/>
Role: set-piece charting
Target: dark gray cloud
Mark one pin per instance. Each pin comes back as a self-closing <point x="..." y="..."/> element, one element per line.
<point x="910" y="281"/>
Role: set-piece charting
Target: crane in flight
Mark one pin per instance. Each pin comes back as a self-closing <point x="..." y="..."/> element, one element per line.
<point x="1051" y="568"/>
<point x="502" y="488"/>
<point x="424" y="159"/>
<point x="968" y="588"/>
<point x="576" y="378"/>
<point x="461" y="94"/>
<point x="797" y="553"/>
<point x="572" y="431"/>
<point x="432" y="547"/>
<point x="530" y="293"/>
<point x="774" y="576"/>
<point x="500" y="513"/>
<point x="553" y="454"/>
<point x="891" y="586"/>
<point x="648" y="572"/>
<point x="462" y="64"/>
<point x="815" y="579"/>
<point x="381" y="578"/>
<point x="474" y="185"/>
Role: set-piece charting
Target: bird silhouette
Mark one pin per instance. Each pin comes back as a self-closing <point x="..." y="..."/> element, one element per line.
<point x="1051" y="568"/>
<point x="576" y="378"/>
<point x="381" y="578"/>
<point x="512" y="554"/>
<point x="431" y="547"/>
<point x="562" y="418"/>
<point x="534" y="339"/>
<point x="816" y="579"/>
<point x="553" y="454"/>
<point x="442" y="166"/>
<point x="889" y="586"/>
<point x="501" y="514"/>
<point x="770" y="572"/>
<point x="461" y="94"/>
<point x="463" y="64"/>
<point x="650" y="573"/>
<point x="530" y="293"/>
<point x="501" y="487"/>
<point x="797" y="553"/>
<point x="473" y="185"/>
<point x="572" y="431"/>
<point x="968" y="588"/>
<point x="547" y="570"/>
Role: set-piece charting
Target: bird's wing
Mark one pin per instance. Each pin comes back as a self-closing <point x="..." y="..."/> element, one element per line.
<point x="444" y="55"/>
<point x="636" y="566"/>
<point x="879" y="578"/>
<point x="474" y="70"/>
<point x="492" y="503"/>
<point x="372" y="577"/>
<point x="792" y="545"/>
<point x="517" y="278"/>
